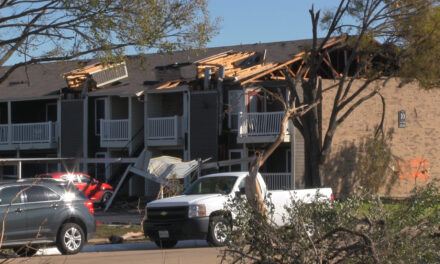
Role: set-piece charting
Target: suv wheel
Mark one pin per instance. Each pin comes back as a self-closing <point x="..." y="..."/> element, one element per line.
<point x="70" y="239"/>
<point x="25" y="251"/>
<point x="218" y="231"/>
<point x="165" y="243"/>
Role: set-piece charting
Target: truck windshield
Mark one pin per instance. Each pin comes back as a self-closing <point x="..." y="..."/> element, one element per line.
<point x="208" y="185"/>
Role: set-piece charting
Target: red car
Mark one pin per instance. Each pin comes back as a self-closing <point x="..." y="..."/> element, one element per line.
<point x="98" y="192"/>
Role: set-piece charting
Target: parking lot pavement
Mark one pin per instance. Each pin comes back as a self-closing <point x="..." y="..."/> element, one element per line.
<point x="53" y="251"/>
<point x="194" y="252"/>
<point x="118" y="216"/>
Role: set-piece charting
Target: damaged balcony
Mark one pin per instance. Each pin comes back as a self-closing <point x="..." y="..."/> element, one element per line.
<point x="114" y="133"/>
<point x="42" y="135"/>
<point x="165" y="131"/>
<point x="260" y="127"/>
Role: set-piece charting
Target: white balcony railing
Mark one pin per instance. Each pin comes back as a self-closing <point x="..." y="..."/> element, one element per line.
<point x="164" y="127"/>
<point x="114" y="130"/>
<point x="260" y="124"/>
<point x="278" y="181"/>
<point x="28" y="133"/>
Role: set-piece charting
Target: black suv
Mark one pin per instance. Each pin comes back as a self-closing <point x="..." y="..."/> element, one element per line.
<point x="36" y="212"/>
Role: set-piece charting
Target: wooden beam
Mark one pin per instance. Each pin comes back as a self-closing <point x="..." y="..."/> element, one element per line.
<point x="297" y="58"/>
<point x="291" y="72"/>
<point x="333" y="71"/>
<point x="307" y="72"/>
<point x="300" y="68"/>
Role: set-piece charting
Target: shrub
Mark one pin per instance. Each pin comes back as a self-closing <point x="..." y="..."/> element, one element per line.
<point x="358" y="229"/>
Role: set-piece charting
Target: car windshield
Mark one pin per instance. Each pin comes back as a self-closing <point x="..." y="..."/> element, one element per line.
<point x="222" y="185"/>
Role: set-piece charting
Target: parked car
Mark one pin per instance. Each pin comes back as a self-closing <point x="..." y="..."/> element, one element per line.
<point x="98" y="192"/>
<point x="40" y="212"/>
<point x="199" y="212"/>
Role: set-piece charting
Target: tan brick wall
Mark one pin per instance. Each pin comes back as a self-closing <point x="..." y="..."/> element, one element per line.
<point x="419" y="140"/>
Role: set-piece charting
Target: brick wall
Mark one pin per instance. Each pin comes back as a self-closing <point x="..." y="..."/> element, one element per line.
<point x="416" y="145"/>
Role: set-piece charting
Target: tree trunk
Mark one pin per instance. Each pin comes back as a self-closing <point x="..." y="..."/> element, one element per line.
<point x="312" y="151"/>
<point x="254" y="193"/>
<point x="311" y="122"/>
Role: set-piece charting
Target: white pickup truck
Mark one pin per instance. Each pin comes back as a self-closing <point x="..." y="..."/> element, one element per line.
<point x="199" y="213"/>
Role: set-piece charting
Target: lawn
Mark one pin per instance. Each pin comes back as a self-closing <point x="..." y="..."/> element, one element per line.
<point x="106" y="231"/>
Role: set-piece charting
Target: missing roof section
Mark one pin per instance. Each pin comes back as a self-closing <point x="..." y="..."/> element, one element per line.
<point x="99" y="73"/>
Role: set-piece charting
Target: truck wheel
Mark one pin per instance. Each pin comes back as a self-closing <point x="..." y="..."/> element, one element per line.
<point x="218" y="231"/>
<point x="165" y="243"/>
<point x="70" y="239"/>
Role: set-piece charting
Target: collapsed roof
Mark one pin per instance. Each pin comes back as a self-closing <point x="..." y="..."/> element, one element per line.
<point x="243" y="63"/>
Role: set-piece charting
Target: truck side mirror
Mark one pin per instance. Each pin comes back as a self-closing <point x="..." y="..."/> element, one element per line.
<point x="242" y="190"/>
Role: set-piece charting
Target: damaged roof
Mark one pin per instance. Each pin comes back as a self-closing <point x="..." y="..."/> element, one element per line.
<point x="244" y="67"/>
<point x="145" y="72"/>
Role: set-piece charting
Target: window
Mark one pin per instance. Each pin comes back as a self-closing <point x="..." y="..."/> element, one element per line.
<point x="51" y="112"/>
<point x="235" y="106"/>
<point x="9" y="194"/>
<point x="99" y="114"/>
<point x="70" y="177"/>
<point x="242" y="184"/>
<point x="222" y="185"/>
<point x="84" y="179"/>
<point x="256" y="101"/>
<point x="40" y="194"/>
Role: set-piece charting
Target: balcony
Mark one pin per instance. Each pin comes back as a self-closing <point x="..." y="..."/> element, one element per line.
<point x="165" y="131"/>
<point x="278" y="181"/>
<point x="260" y="127"/>
<point x="28" y="136"/>
<point x="114" y="133"/>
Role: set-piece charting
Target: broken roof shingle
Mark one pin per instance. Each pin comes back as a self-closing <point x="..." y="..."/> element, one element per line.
<point x="47" y="78"/>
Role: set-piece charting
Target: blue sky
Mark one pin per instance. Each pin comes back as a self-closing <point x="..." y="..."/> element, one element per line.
<point x="253" y="21"/>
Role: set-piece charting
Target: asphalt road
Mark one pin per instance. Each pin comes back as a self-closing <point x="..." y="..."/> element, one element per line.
<point x="194" y="252"/>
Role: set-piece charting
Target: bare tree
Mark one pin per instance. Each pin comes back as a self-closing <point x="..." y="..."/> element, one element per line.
<point x="35" y="31"/>
<point x="379" y="39"/>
